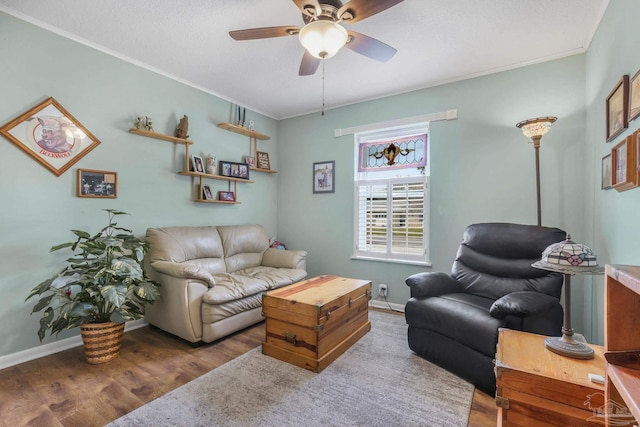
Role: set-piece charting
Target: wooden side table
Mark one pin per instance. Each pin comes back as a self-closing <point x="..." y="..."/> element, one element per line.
<point x="538" y="387"/>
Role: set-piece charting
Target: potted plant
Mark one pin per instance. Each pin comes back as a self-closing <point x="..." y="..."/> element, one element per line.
<point x="102" y="287"/>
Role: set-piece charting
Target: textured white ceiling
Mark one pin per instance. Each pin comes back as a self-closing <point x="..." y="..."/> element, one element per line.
<point x="438" y="41"/>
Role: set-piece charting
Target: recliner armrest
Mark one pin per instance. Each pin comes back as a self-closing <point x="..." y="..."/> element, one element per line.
<point x="425" y="285"/>
<point x="522" y="304"/>
<point x="183" y="270"/>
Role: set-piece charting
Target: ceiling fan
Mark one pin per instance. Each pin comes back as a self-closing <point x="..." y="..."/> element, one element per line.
<point x="322" y="35"/>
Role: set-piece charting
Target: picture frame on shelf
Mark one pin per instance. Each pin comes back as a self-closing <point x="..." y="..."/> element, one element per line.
<point x="634" y="96"/>
<point x="206" y="193"/>
<point x="233" y="169"/>
<point x="97" y="184"/>
<point x="617" y="107"/>
<point x="197" y="164"/>
<point x="606" y="172"/>
<point x="243" y="170"/>
<point x="263" y="160"/>
<point x="226" y="196"/>
<point x="624" y="168"/>
<point x="51" y="136"/>
<point x="250" y="160"/>
<point x="224" y="168"/>
<point x="324" y="177"/>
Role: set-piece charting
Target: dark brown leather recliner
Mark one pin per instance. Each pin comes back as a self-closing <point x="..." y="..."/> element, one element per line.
<point x="454" y="319"/>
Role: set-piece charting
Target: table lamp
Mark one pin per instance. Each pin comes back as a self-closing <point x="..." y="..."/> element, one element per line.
<point x="568" y="258"/>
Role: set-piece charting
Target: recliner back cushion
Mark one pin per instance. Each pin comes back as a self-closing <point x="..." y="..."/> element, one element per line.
<point x="495" y="259"/>
<point x="243" y="245"/>
<point x="198" y="245"/>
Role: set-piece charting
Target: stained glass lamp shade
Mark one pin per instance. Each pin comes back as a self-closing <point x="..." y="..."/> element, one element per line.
<point x="568" y="258"/>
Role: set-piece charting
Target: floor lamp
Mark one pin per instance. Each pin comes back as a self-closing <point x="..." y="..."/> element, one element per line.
<point x="535" y="129"/>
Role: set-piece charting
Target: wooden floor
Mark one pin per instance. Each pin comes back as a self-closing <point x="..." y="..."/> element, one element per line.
<point x="63" y="390"/>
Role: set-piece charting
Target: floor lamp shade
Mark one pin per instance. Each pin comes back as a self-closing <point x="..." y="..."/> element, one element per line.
<point x="535" y="129"/>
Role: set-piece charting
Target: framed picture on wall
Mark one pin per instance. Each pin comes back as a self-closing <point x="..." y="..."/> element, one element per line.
<point x="617" y="108"/>
<point x="606" y="172"/>
<point x="636" y="137"/>
<point x="624" y="170"/>
<point x="324" y="177"/>
<point x="51" y="136"/>
<point x="97" y="184"/>
<point x="634" y="96"/>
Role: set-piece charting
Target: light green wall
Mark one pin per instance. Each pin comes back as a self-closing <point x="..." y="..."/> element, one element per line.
<point x="612" y="216"/>
<point x="483" y="168"/>
<point x="104" y="94"/>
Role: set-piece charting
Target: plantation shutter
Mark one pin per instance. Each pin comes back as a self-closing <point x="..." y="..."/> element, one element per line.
<point x="391" y="216"/>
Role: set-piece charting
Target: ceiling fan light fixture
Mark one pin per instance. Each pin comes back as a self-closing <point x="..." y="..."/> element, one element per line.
<point x="323" y="39"/>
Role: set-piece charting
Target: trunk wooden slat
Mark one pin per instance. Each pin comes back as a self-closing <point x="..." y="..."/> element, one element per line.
<point x="538" y="387"/>
<point x="311" y="323"/>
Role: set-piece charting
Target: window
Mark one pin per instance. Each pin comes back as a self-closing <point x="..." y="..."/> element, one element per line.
<point x="391" y="195"/>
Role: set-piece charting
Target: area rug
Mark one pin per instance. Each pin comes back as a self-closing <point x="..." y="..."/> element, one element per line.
<point x="377" y="382"/>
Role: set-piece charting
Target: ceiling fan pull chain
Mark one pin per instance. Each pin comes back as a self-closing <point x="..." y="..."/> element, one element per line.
<point x="323" y="86"/>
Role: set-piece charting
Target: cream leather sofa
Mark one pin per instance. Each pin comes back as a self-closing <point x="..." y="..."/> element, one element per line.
<point x="212" y="278"/>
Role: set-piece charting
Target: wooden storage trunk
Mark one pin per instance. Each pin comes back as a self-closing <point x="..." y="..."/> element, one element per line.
<point x="311" y="323"/>
<point x="536" y="387"/>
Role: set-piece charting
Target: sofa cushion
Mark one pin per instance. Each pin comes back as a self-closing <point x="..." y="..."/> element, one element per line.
<point x="214" y="313"/>
<point x="179" y="244"/>
<point x="243" y="245"/>
<point x="231" y="287"/>
<point x="274" y="277"/>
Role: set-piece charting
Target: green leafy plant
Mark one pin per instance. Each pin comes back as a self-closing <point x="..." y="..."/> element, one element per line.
<point x="103" y="281"/>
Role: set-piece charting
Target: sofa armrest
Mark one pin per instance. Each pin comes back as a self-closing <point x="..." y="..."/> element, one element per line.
<point x="278" y="258"/>
<point x="522" y="304"/>
<point x="183" y="270"/>
<point x="425" y="285"/>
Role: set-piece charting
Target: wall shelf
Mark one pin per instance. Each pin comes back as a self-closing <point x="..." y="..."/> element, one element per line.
<point x="622" y="340"/>
<point x="253" y="137"/>
<point x="224" y="202"/>
<point x="210" y="176"/>
<point x="161" y="136"/>
<point x="243" y="131"/>
<point x="263" y="170"/>
<point x="196" y="175"/>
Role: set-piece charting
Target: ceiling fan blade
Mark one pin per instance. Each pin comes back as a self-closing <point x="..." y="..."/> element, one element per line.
<point x="370" y="47"/>
<point x="309" y="7"/>
<point x="309" y="64"/>
<point x="263" y="33"/>
<point x="357" y="10"/>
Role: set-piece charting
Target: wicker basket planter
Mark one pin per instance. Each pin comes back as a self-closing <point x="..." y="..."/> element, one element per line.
<point x="101" y="341"/>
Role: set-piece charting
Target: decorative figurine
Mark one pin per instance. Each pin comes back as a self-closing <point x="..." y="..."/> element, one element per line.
<point x="182" y="130"/>
<point x="210" y="167"/>
<point x="252" y="125"/>
<point x="147" y="124"/>
<point x="139" y="123"/>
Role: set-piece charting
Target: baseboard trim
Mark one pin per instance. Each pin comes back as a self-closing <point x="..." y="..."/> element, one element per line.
<point x="384" y="305"/>
<point x="67" y="343"/>
<point x="54" y="347"/>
